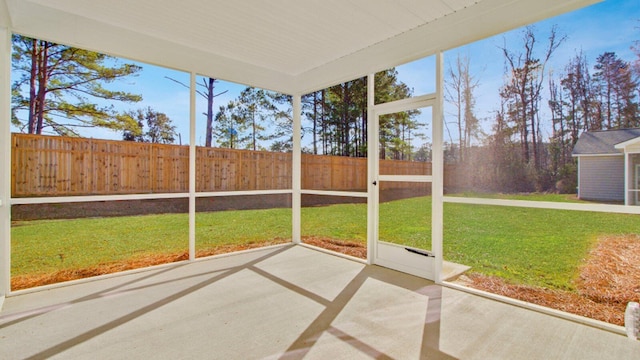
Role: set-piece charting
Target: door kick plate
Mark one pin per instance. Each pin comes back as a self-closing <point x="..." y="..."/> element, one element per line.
<point x="420" y="252"/>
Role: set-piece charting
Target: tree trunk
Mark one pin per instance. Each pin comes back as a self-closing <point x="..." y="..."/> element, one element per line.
<point x="253" y="129"/>
<point x="534" y="126"/>
<point x="323" y="123"/>
<point x="524" y="124"/>
<point x="209" y="133"/>
<point x="345" y="119"/>
<point x="459" y="117"/>
<point x="315" y="122"/>
<point x="363" y="134"/>
<point x="35" y="61"/>
<point x="42" y="86"/>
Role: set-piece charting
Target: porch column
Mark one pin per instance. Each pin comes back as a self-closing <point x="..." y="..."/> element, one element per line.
<point x="192" y="167"/>
<point x="437" y="185"/>
<point x="372" y="157"/>
<point x="296" y="170"/>
<point x="5" y="156"/>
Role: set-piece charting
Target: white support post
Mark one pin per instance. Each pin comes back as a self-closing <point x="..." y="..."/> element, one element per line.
<point x="372" y="154"/>
<point x="5" y="156"/>
<point x="192" y="167"/>
<point x="296" y="171"/>
<point x="437" y="186"/>
<point x="627" y="179"/>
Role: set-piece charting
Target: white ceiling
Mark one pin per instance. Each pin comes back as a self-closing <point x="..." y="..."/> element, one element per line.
<point x="292" y="46"/>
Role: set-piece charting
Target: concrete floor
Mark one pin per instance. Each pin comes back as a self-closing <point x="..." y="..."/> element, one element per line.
<point x="287" y="302"/>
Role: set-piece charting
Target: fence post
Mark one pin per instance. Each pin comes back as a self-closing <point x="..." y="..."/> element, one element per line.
<point x="152" y="169"/>
<point x="90" y="174"/>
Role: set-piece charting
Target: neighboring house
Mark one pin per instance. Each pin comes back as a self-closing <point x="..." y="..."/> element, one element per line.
<point x="609" y="166"/>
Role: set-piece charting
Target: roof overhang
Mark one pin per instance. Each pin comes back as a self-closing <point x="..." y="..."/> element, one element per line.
<point x="631" y="142"/>
<point x="294" y="47"/>
<point x="596" y="155"/>
<point x="5" y="21"/>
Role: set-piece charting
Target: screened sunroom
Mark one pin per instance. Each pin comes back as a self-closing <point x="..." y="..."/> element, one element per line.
<point x="285" y="292"/>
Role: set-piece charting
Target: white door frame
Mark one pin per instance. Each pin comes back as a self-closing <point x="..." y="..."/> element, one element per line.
<point x="435" y="101"/>
<point x="402" y="258"/>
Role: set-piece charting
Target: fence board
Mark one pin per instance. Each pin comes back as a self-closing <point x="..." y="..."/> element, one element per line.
<point x="64" y="166"/>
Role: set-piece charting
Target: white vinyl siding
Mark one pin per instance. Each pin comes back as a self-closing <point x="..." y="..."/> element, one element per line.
<point x="601" y="178"/>
<point x="633" y="149"/>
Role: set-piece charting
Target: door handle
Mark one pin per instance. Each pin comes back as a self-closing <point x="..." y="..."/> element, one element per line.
<point x="375" y="183"/>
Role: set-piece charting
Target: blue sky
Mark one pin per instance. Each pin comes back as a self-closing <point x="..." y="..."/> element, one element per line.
<point x="609" y="26"/>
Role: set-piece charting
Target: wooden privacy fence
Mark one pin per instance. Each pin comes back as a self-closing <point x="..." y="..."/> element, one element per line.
<point x="64" y="166"/>
<point x="52" y="165"/>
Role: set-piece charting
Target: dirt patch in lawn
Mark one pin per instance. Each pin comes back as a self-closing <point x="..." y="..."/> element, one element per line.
<point x="609" y="279"/>
<point x="351" y="248"/>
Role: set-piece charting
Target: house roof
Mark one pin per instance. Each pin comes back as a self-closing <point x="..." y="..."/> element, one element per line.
<point x="603" y="142"/>
<point x="628" y="143"/>
<point x="291" y="46"/>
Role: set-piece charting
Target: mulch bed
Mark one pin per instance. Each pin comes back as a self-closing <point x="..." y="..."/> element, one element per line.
<point x="344" y="247"/>
<point x="29" y="281"/>
<point x="609" y="279"/>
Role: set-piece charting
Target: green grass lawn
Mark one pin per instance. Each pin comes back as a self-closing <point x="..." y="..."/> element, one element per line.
<point x="49" y="245"/>
<point x="241" y="227"/>
<point x="340" y="221"/>
<point x="406" y="222"/>
<point x="532" y="246"/>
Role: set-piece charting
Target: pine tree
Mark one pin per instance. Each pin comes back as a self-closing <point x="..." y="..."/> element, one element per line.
<point x="159" y="128"/>
<point x="63" y="88"/>
<point x="617" y="89"/>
